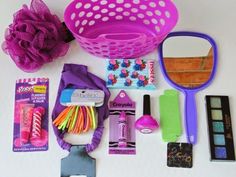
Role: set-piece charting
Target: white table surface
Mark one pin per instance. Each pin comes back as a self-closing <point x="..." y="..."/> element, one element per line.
<point x="214" y="17"/>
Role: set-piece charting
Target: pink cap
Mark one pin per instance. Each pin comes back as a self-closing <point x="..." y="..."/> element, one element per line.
<point x="146" y="124"/>
<point x="122" y="144"/>
<point x="24" y="137"/>
<point x="41" y="110"/>
<point x="122" y="116"/>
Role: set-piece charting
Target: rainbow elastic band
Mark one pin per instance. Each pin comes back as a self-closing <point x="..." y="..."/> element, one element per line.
<point x="76" y="119"/>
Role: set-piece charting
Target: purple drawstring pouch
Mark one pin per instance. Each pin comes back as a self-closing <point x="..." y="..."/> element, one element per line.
<point x="77" y="77"/>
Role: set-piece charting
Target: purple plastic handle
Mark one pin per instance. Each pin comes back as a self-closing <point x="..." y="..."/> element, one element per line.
<point x="190" y="116"/>
<point x="123" y="36"/>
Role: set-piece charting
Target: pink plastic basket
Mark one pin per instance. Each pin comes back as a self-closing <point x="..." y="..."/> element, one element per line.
<point x="120" y="28"/>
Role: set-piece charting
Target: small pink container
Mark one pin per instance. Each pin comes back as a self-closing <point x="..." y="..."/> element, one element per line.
<point x="120" y="28"/>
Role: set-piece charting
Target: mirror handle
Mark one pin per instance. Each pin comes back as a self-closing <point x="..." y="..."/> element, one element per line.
<point x="191" y="117"/>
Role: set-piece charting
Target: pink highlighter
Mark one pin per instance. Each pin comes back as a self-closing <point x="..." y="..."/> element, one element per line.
<point x="146" y="124"/>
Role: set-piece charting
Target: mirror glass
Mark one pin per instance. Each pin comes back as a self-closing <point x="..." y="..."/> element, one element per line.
<point x="188" y="60"/>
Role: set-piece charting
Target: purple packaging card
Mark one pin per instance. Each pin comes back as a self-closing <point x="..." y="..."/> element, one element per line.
<point x="31" y="115"/>
<point x="121" y="125"/>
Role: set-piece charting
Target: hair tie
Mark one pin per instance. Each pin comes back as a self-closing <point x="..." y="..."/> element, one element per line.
<point x="76" y="119"/>
<point x="94" y="125"/>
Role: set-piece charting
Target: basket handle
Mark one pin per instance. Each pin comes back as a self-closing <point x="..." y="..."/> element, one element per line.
<point x="122" y="36"/>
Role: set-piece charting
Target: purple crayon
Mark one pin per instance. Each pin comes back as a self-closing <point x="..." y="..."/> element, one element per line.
<point x="122" y="140"/>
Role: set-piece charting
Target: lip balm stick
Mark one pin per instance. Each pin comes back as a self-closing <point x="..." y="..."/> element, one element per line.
<point x="36" y="123"/>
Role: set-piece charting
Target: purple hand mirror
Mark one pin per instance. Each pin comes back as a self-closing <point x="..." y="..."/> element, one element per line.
<point x="188" y="61"/>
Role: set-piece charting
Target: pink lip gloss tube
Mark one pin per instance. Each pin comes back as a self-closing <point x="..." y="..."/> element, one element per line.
<point x="25" y="122"/>
<point x="122" y="141"/>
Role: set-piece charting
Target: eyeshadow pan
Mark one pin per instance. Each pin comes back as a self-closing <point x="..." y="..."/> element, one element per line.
<point x="218" y="127"/>
<point x="219" y="139"/>
<point x="220" y="152"/>
<point x="216" y="114"/>
<point x="215" y="102"/>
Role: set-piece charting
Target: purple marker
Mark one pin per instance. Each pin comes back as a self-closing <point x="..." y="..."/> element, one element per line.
<point x="122" y="141"/>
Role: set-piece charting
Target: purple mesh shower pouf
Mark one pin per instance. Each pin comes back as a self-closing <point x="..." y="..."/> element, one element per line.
<point x="78" y="77"/>
<point x="35" y="37"/>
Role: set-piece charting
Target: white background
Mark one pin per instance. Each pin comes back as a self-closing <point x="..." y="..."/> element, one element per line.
<point x="214" y="17"/>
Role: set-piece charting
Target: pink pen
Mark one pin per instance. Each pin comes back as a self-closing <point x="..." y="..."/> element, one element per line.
<point x="122" y="141"/>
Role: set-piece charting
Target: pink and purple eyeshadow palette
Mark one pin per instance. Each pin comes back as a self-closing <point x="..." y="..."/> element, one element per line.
<point x="220" y="128"/>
